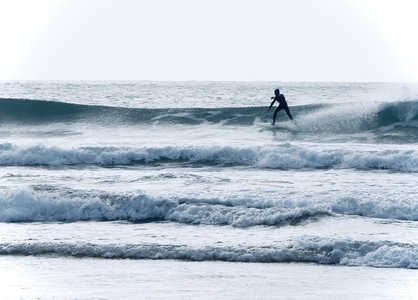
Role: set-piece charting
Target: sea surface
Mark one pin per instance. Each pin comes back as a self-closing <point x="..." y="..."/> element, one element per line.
<point x="171" y="190"/>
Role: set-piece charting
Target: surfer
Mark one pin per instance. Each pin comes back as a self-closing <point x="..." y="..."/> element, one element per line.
<point x="282" y="105"/>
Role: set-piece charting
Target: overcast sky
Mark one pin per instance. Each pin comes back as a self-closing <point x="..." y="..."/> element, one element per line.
<point x="283" y="40"/>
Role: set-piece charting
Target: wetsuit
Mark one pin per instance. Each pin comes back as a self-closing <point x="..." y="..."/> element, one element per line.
<point x="282" y="105"/>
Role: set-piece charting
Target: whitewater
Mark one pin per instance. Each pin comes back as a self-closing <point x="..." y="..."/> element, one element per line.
<point x="170" y="189"/>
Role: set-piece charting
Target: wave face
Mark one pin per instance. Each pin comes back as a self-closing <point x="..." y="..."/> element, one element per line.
<point x="41" y="112"/>
<point x="399" y="117"/>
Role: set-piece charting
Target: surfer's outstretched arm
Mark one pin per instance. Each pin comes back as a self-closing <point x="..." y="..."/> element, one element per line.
<point x="272" y="103"/>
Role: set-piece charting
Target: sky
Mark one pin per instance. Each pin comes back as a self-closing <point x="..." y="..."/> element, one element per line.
<point x="280" y="40"/>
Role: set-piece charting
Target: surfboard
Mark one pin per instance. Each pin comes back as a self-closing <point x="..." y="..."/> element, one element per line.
<point x="267" y="126"/>
<point x="281" y="127"/>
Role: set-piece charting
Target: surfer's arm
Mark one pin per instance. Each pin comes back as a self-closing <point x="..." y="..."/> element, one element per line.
<point x="272" y="103"/>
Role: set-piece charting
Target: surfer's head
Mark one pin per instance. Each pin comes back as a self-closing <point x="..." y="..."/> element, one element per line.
<point x="277" y="92"/>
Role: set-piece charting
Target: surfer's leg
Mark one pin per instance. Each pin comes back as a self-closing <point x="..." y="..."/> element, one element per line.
<point x="288" y="113"/>
<point x="275" y="114"/>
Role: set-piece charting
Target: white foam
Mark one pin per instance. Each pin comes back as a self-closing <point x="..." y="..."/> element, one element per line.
<point x="24" y="204"/>
<point x="283" y="156"/>
<point x="27" y="205"/>
<point x="304" y="249"/>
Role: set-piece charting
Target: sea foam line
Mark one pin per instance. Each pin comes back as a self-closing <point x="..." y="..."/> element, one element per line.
<point x="306" y="249"/>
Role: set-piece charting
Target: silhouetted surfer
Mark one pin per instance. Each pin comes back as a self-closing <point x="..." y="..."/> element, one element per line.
<point x="282" y="105"/>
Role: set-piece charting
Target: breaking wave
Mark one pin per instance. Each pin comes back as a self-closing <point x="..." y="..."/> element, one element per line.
<point x="38" y="205"/>
<point x="306" y="250"/>
<point x="342" y="117"/>
<point x="281" y="156"/>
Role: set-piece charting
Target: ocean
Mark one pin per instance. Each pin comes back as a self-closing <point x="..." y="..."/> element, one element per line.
<point x="156" y="190"/>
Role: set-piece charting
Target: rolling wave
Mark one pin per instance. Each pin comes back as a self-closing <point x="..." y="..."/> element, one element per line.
<point x="347" y="117"/>
<point x="43" y="112"/>
<point x="308" y="249"/>
<point x="53" y="204"/>
<point x="67" y="205"/>
<point x="280" y="156"/>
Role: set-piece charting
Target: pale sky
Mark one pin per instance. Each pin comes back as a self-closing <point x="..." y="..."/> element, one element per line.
<point x="281" y="40"/>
